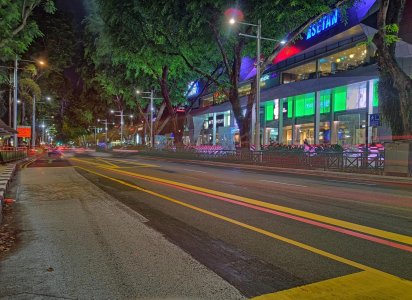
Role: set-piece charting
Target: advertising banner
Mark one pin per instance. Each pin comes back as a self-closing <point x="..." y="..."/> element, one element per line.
<point x="24" y="131"/>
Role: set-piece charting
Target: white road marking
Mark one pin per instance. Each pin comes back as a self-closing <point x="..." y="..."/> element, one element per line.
<point x="350" y="182"/>
<point x="190" y="170"/>
<point x="277" y="182"/>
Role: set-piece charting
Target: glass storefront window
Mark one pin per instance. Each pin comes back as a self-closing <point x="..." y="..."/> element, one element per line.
<point x="324" y="133"/>
<point x="356" y="96"/>
<point x="304" y="132"/>
<point x="325" y="101"/>
<point x="344" y="60"/>
<point x="339" y="98"/>
<point x="306" y="71"/>
<point x="349" y="129"/>
<point x="271" y="136"/>
<point x="305" y="105"/>
<point x="287" y="135"/>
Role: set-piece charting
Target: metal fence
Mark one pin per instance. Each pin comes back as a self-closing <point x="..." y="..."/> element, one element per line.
<point x="12" y="154"/>
<point x="360" y="162"/>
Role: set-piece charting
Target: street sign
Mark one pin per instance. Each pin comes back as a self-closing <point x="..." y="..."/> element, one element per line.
<point x="374" y="120"/>
<point x="23" y="131"/>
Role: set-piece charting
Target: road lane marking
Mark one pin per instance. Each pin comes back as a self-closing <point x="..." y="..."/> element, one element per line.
<point x="376" y="272"/>
<point x="323" y="219"/>
<point x="285" y="183"/>
<point x="351" y="182"/>
<point x="132" y="163"/>
<point x="361" y="285"/>
<point x="106" y="162"/>
<point x="195" y="171"/>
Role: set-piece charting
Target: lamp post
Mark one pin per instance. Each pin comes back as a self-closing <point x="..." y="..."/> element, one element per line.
<point x="15" y="82"/>
<point x="151" y="112"/>
<point x="33" y="141"/>
<point x="121" y="115"/>
<point x="105" y="129"/>
<point x="95" y="133"/>
<point x="43" y="126"/>
<point x="258" y="38"/>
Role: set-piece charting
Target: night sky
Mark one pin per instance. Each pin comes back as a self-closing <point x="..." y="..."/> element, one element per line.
<point x="75" y="7"/>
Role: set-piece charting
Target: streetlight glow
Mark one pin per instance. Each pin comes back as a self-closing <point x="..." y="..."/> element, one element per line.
<point x="48" y="98"/>
<point x="232" y="21"/>
<point x="137" y="92"/>
<point x="283" y="42"/>
<point x="112" y="111"/>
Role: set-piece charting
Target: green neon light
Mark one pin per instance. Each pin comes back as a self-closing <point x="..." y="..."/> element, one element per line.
<point x="339" y="98"/>
<point x="375" y="101"/>
<point x="269" y="110"/>
<point x="290" y="107"/>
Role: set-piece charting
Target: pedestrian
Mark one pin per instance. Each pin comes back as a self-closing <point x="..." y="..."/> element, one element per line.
<point x="305" y="142"/>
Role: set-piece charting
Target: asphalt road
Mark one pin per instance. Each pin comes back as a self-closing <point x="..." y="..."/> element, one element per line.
<point x="78" y="242"/>
<point x="274" y="235"/>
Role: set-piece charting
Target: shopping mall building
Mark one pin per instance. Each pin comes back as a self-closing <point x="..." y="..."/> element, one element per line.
<point x="323" y="88"/>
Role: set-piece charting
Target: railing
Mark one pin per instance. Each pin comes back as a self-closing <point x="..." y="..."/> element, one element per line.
<point x="339" y="161"/>
<point x="9" y="154"/>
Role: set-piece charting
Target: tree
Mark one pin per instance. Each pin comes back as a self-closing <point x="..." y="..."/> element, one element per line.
<point x="278" y="19"/>
<point x="395" y="86"/>
<point x="17" y="29"/>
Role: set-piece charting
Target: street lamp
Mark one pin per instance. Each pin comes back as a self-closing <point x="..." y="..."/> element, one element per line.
<point x="121" y="115"/>
<point x="15" y="81"/>
<point x="151" y="112"/>
<point x="33" y="141"/>
<point x="105" y="129"/>
<point x="258" y="38"/>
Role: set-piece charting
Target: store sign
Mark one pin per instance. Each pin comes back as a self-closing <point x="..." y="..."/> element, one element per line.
<point x="23" y="131"/>
<point x="323" y="24"/>
<point x="192" y="89"/>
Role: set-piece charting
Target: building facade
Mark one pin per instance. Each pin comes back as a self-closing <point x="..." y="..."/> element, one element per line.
<point x="322" y="89"/>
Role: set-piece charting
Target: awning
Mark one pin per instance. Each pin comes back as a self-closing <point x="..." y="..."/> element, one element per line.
<point x="5" y="129"/>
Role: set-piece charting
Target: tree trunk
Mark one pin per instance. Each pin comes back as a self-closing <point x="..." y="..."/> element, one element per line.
<point x="391" y="12"/>
<point x="177" y="130"/>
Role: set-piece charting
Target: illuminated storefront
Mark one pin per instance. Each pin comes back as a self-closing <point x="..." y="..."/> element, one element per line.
<point x="320" y="90"/>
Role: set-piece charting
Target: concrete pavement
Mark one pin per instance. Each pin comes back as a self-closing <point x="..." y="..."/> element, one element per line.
<point x="78" y="242"/>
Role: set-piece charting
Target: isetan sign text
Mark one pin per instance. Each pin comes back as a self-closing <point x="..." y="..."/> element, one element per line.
<point x="323" y="24"/>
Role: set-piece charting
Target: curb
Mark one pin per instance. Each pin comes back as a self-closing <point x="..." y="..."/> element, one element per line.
<point x="5" y="179"/>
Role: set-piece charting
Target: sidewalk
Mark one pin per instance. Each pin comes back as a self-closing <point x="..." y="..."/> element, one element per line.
<point x="78" y="242"/>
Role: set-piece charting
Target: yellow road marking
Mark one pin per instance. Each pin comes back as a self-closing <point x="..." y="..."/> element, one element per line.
<point x="379" y="275"/>
<point x="362" y="285"/>
<point x="327" y="220"/>
<point x="132" y="163"/>
<point x="108" y="163"/>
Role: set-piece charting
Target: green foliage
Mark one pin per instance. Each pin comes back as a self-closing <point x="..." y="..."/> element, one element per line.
<point x="391" y="34"/>
<point x="17" y="29"/>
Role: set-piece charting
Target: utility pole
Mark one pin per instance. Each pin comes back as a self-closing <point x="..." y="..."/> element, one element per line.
<point x="33" y="134"/>
<point x="257" y="124"/>
<point x="16" y="65"/>
<point x="151" y="118"/>
<point x="258" y="38"/>
<point x="152" y="98"/>
<point x="105" y="129"/>
<point x="10" y="99"/>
